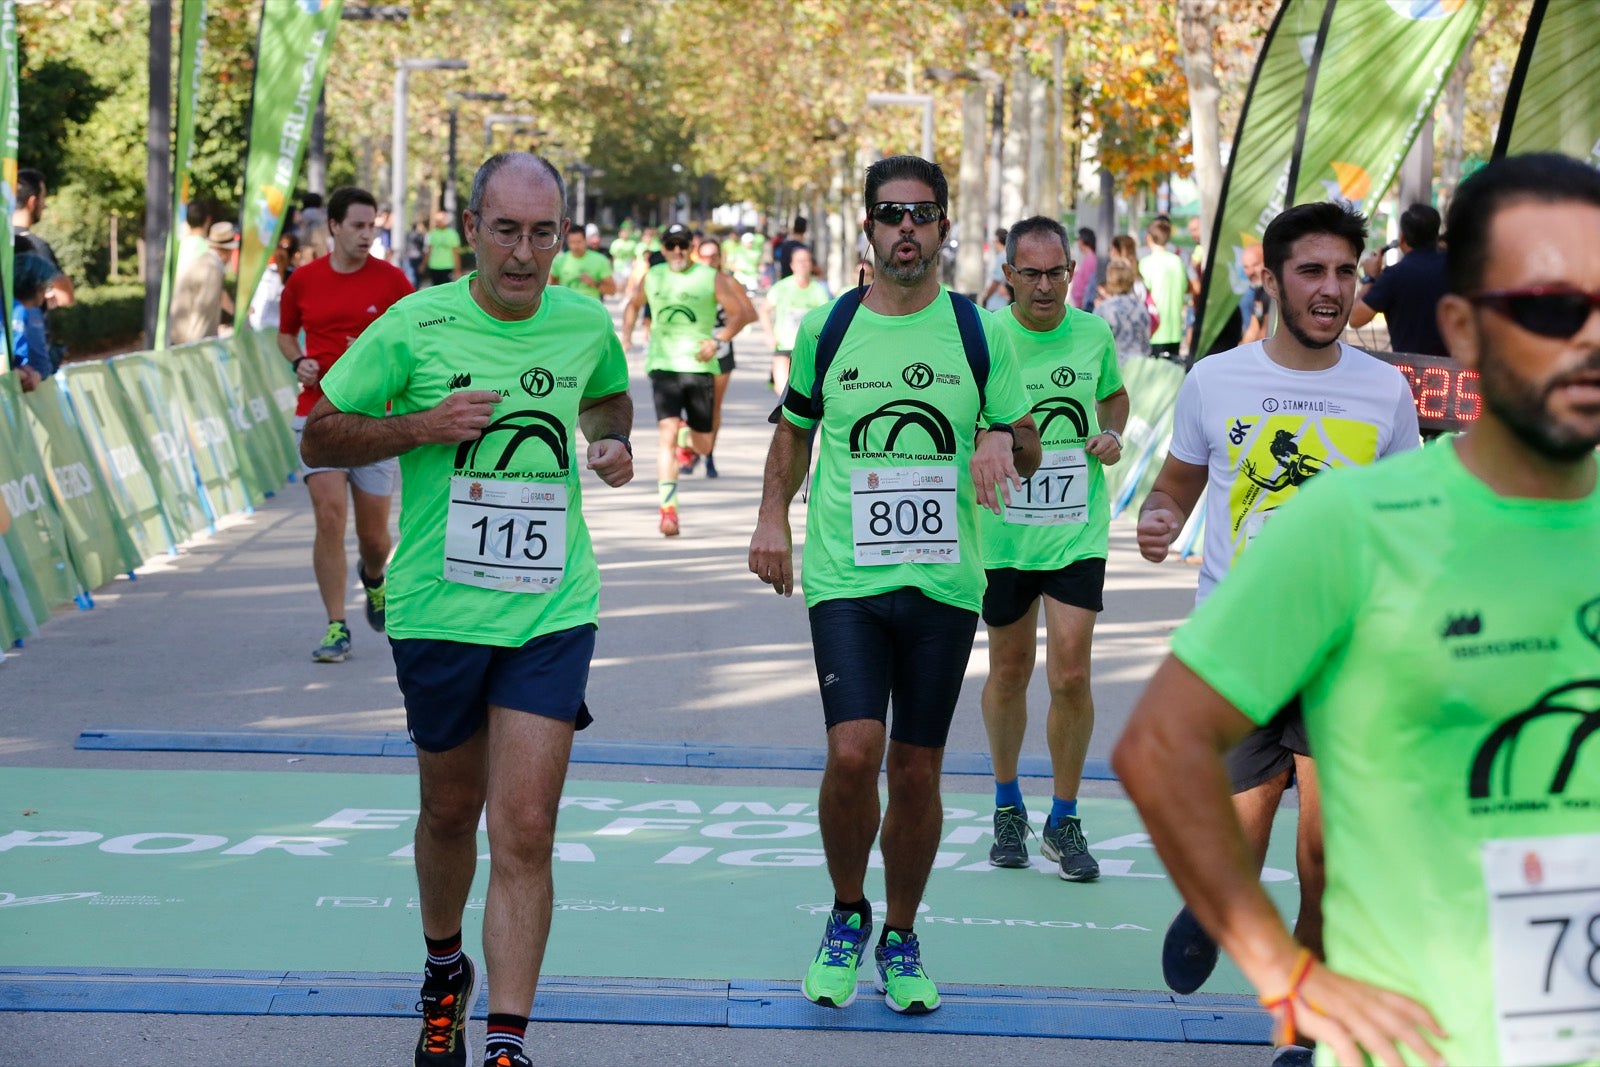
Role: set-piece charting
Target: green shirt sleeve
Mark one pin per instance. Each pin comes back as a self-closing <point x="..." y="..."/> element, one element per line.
<point x="610" y="372"/>
<point x="1004" y="399"/>
<point x="803" y="361"/>
<point x="375" y="370"/>
<point x="1286" y="606"/>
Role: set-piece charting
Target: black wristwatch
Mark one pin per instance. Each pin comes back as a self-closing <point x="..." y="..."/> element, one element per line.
<point x="617" y="437"/>
<point x="1005" y="428"/>
<point x="296" y="364"/>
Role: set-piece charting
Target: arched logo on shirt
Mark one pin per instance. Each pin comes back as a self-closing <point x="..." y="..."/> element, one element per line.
<point x="1568" y="712"/>
<point x="505" y="439"/>
<point x="1052" y="408"/>
<point x="674" y="313"/>
<point x="903" y="415"/>
<point x="1063" y="377"/>
<point x="918" y="375"/>
<point x="538" y="382"/>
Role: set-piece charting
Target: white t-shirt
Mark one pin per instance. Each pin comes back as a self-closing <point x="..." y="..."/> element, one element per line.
<point x="1262" y="430"/>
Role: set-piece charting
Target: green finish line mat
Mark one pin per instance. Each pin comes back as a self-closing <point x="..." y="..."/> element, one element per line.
<point x="303" y="872"/>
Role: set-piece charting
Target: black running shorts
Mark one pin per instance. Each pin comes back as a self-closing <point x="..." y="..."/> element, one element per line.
<point x="1268" y="750"/>
<point x="690" y="396"/>
<point x="1011" y="592"/>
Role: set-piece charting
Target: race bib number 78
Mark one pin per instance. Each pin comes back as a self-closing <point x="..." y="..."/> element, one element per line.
<point x="1544" y="926"/>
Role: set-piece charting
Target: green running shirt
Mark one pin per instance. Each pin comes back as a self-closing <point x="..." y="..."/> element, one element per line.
<point x="683" y="314"/>
<point x="438" y="341"/>
<point x="1062" y="514"/>
<point x="568" y="270"/>
<point x="1446" y="644"/>
<point x="892" y="483"/>
<point x="790" y="302"/>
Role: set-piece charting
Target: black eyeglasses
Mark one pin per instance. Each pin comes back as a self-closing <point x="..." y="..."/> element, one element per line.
<point x="1547" y="310"/>
<point x="674" y="246"/>
<point x="1055" y="275"/>
<point x="890" y="212"/>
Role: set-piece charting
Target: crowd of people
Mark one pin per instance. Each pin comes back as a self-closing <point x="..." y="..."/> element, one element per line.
<point x="956" y="453"/>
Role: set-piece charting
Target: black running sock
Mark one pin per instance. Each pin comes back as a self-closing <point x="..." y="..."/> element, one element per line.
<point x="370" y="583"/>
<point x="506" y="1032"/>
<point x="904" y="932"/>
<point x="444" y="960"/>
<point x="860" y="907"/>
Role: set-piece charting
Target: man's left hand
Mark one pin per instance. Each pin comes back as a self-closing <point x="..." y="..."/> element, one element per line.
<point x="1104" y="447"/>
<point x="993" y="471"/>
<point x="708" y="350"/>
<point x="611" y="460"/>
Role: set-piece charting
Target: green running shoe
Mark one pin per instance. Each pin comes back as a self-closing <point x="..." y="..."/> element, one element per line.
<point x="1011" y="830"/>
<point x="831" y="978"/>
<point x="335" y="647"/>
<point x="905" y="986"/>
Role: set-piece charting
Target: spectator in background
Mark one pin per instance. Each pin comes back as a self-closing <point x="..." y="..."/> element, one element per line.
<point x="1407" y="293"/>
<point x="797" y="239"/>
<point x="196" y="226"/>
<point x="1124" y="311"/>
<point x="444" y="250"/>
<point x="997" y="294"/>
<point x="267" y="304"/>
<point x="30" y="209"/>
<point x="416" y="252"/>
<point x="313" y="226"/>
<point x="199" y="298"/>
<point x="382" y="238"/>
<point x="1255" y="307"/>
<point x="1082" y="293"/>
<point x="1167" y="279"/>
<point x="32" y="276"/>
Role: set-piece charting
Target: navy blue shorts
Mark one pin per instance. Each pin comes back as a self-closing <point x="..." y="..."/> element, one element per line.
<point x="1011" y="592"/>
<point x="449" y="685"/>
<point x="1268" y="751"/>
<point x="902" y="645"/>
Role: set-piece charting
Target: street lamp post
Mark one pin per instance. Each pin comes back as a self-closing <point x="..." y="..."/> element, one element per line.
<point x="397" y="190"/>
<point x="501" y="118"/>
<point x="922" y="100"/>
<point x="450" y="171"/>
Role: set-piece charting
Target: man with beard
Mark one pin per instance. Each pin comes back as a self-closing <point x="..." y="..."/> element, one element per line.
<point x="1445" y="641"/>
<point x="1251" y="426"/>
<point x="893" y="573"/>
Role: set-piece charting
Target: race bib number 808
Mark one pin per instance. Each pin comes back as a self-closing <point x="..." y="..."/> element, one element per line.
<point x="904" y="515"/>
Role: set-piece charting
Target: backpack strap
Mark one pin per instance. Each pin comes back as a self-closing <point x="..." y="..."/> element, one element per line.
<point x="973" y="342"/>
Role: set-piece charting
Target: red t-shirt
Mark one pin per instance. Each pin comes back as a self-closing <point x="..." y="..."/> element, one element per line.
<point x="334" y="308"/>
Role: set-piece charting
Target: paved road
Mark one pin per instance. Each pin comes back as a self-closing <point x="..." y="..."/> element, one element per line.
<point x="691" y="647"/>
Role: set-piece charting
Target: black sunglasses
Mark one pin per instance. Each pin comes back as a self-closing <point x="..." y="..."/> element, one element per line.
<point x="1547" y="310"/>
<point x="674" y="246"/>
<point x="890" y="212"/>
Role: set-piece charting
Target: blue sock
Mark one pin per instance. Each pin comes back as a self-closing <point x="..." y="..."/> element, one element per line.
<point x="1060" y="809"/>
<point x="1008" y="795"/>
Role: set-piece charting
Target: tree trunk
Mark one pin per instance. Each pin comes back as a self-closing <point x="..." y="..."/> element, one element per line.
<point x="1455" y="125"/>
<point x="1037" y="200"/>
<point x="997" y="144"/>
<point x="1196" y="30"/>
<point x="971" y="201"/>
<point x="842" y="258"/>
<point x="1014" y="153"/>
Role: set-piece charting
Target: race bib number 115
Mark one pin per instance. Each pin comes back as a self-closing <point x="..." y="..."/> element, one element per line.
<point x="506" y="535"/>
<point x="1544" y="925"/>
<point x="904" y="515"/>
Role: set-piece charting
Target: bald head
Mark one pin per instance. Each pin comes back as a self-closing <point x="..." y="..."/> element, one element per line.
<point x="521" y="164"/>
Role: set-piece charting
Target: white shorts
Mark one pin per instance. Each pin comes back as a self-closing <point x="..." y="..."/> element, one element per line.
<point x="375" y="478"/>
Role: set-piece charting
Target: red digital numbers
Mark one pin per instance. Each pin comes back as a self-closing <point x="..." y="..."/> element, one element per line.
<point x="1469" y="405"/>
<point x="1433" y="392"/>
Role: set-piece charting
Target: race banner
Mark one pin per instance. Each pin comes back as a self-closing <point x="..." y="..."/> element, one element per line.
<point x="1382" y="69"/>
<point x="1553" y="101"/>
<point x="97" y="543"/>
<point x="159" y="421"/>
<point x="191" y="48"/>
<point x="122" y="452"/>
<point x="291" y="59"/>
<point x="8" y="162"/>
<point x="37" y="574"/>
<point x="261" y="463"/>
<point x="189" y="375"/>
<point x="1337" y="99"/>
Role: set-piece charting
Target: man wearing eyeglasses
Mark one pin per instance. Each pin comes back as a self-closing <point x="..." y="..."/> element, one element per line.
<point x="1049" y="545"/>
<point x="495" y="590"/>
<point x="893" y="574"/>
<point x="684" y="298"/>
<point x="1446" y="643"/>
<point x="1251" y="427"/>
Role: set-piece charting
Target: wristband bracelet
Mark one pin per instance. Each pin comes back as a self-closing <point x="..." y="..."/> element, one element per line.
<point x="617" y="437"/>
<point x="1286" y="1000"/>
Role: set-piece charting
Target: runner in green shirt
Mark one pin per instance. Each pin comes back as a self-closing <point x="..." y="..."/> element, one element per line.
<point x="1438" y="614"/>
<point x="785" y="305"/>
<point x="1168" y="281"/>
<point x="444" y="249"/>
<point x="893" y="575"/>
<point x="582" y="269"/>
<point x="1049" y="546"/>
<point x="493" y="592"/>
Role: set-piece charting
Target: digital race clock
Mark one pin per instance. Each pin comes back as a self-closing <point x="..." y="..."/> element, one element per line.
<point x="1446" y="393"/>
